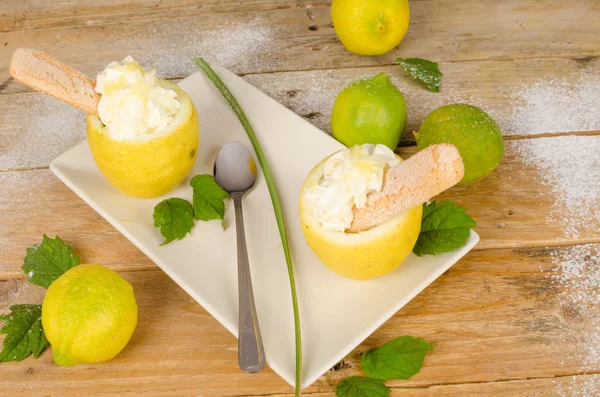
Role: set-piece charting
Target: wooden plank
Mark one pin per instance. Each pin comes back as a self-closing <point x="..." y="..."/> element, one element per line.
<point x="509" y="91"/>
<point x="27" y="15"/>
<point x="36" y="203"/>
<point x="572" y="386"/>
<point x="34" y="128"/>
<point x="282" y="40"/>
<point x="497" y="315"/>
<point x="515" y="206"/>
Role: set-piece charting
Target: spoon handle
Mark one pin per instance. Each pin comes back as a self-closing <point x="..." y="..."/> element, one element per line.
<point x="251" y="354"/>
<point x="41" y="72"/>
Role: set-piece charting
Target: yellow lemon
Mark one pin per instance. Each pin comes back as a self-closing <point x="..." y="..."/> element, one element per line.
<point x="89" y="314"/>
<point x="370" y="27"/>
<point x="364" y="255"/>
<point x="148" y="168"/>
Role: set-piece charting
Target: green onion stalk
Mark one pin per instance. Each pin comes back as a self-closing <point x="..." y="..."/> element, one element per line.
<point x="235" y="106"/>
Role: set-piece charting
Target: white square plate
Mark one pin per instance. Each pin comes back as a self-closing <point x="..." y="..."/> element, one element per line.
<point x="204" y="264"/>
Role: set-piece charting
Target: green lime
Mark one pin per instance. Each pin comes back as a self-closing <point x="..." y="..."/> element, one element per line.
<point x="369" y="111"/>
<point x="89" y="314"/>
<point x="472" y="131"/>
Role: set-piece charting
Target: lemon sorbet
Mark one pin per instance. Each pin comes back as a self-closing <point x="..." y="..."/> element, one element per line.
<point x="146" y="138"/>
<point x="332" y="189"/>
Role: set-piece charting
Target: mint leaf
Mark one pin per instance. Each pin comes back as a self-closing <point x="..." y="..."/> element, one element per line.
<point x="444" y="228"/>
<point x="399" y="358"/>
<point x="24" y="333"/>
<point x="209" y="198"/>
<point x="48" y="260"/>
<point x="174" y="217"/>
<point x="359" y="386"/>
<point x="421" y="69"/>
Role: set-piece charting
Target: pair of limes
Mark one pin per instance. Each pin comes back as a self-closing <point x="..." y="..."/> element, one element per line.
<point x="374" y="111"/>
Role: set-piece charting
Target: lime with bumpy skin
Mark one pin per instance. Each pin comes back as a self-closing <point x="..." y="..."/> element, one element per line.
<point x="472" y="131"/>
<point x="369" y="111"/>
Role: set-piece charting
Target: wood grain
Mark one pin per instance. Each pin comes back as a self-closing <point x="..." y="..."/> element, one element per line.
<point x="495" y="315"/>
<point x="19" y="15"/>
<point x="291" y="39"/>
<point x="53" y="127"/>
<point x="579" y="385"/>
<point x="512" y="206"/>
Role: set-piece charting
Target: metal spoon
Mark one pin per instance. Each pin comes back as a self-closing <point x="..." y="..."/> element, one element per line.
<point x="235" y="171"/>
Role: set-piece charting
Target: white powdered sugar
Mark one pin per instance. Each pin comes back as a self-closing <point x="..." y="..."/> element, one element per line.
<point x="240" y="47"/>
<point x="553" y="104"/>
<point x="575" y="276"/>
<point x="36" y="129"/>
<point x="570" y="167"/>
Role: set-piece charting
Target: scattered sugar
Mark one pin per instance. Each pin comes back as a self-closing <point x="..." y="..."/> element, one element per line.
<point x="579" y="386"/>
<point x="311" y="94"/>
<point x="24" y="188"/>
<point x="570" y="167"/>
<point x="240" y="47"/>
<point x="553" y="104"/>
<point x="576" y="276"/>
<point x="576" y="271"/>
<point x="37" y="128"/>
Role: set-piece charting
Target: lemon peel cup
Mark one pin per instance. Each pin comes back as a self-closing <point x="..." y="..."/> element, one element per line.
<point x="363" y="255"/>
<point x="152" y="166"/>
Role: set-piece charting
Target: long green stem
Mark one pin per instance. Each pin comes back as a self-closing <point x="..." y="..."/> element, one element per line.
<point x="235" y="106"/>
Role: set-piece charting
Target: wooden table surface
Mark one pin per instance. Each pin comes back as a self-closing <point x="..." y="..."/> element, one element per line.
<point x="518" y="316"/>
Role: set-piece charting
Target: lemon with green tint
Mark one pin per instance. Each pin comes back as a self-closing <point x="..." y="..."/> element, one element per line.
<point x="89" y="315"/>
<point x="152" y="166"/>
<point x="370" y="27"/>
<point x="472" y="131"/>
<point x="369" y="110"/>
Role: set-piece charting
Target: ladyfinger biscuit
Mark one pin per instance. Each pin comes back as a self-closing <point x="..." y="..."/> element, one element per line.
<point x="410" y="183"/>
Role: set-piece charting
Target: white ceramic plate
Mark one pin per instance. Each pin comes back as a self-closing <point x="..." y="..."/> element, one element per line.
<point x="337" y="314"/>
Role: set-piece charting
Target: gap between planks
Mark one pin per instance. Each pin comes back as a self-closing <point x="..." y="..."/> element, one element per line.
<point x="18" y="275"/>
<point x="307" y="5"/>
<point x="403" y="143"/>
<point x="442" y="385"/>
<point x="23" y="89"/>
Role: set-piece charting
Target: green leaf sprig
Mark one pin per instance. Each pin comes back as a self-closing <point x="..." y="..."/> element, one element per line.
<point x="359" y="386"/>
<point x="48" y="260"/>
<point x="24" y="333"/>
<point x="423" y="70"/>
<point x="400" y="358"/>
<point x="444" y="228"/>
<point x="214" y="78"/>
<point x="209" y="198"/>
<point x="43" y="264"/>
<point x="175" y="216"/>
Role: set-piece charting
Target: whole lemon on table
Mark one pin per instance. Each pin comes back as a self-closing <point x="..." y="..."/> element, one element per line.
<point x="148" y="167"/>
<point x="369" y="110"/>
<point x="363" y="255"/>
<point x="89" y="314"/>
<point x="370" y="27"/>
<point x="472" y="131"/>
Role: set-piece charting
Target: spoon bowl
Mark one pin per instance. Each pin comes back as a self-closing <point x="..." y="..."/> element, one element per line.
<point x="235" y="169"/>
